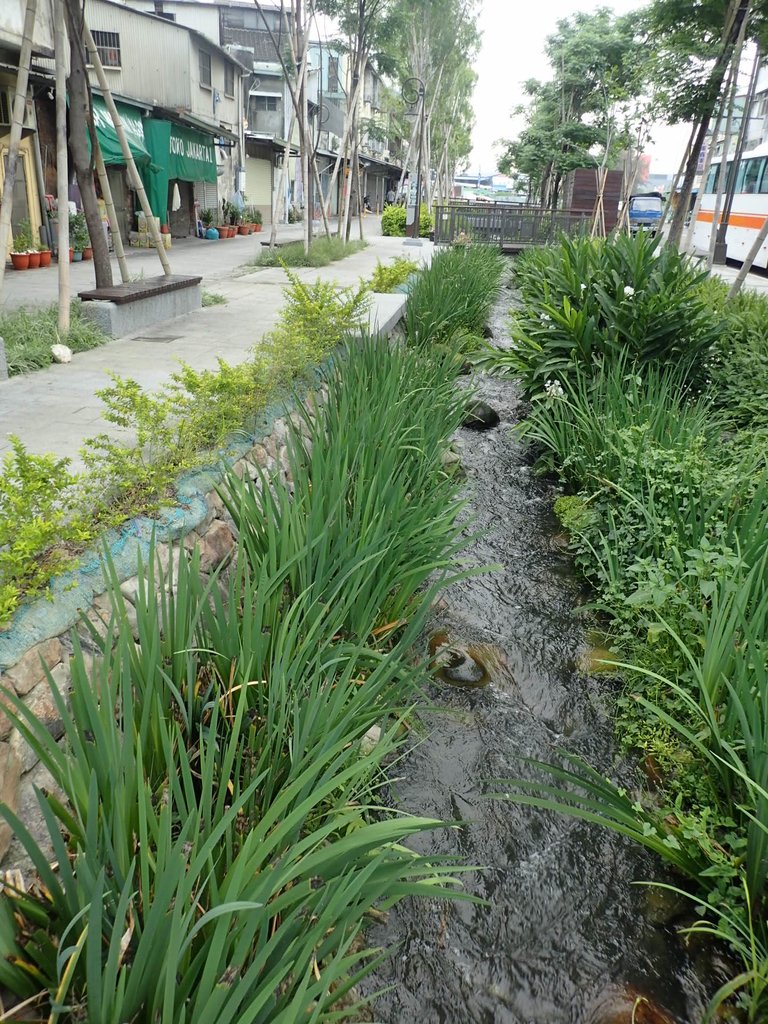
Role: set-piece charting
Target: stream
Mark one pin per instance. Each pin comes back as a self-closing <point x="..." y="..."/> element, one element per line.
<point x="567" y="938"/>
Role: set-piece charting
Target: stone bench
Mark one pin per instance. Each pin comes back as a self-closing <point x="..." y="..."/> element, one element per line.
<point x="125" y="308"/>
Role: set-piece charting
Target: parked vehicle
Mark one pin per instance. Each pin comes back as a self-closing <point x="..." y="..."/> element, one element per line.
<point x="749" y="210"/>
<point x="645" y="212"/>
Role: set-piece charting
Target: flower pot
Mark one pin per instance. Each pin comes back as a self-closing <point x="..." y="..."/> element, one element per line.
<point x="20" y="260"/>
<point x="88" y="252"/>
<point x="257" y="227"/>
<point x="34" y="260"/>
<point x="78" y="255"/>
<point x="242" y="229"/>
<point x="45" y="257"/>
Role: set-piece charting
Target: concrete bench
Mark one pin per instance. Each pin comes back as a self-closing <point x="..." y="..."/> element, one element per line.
<point x="125" y="308"/>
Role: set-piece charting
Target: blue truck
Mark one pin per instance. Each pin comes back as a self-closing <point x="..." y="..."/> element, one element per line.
<point x="645" y="212"/>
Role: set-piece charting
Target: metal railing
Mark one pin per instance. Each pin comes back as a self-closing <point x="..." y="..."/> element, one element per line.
<point x="507" y="225"/>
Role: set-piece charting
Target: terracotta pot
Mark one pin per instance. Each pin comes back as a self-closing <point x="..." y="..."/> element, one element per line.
<point x="88" y="252"/>
<point x="20" y="260"/>
<point x="45" y="257"/>
<point x="257" y="227"/>
<point x="71" y="254"/>
<point x="34" y="260"/>
<point x="242" y="229"/>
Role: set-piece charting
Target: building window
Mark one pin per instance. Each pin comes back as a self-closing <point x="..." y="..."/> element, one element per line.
<point x="108" y="48"/>
<point x="163" y="14"/>
<point x="205" y="68"/>
<point x="229" y="80"/>
<point x="266" y="102"/>
<point x="333" y="74"/>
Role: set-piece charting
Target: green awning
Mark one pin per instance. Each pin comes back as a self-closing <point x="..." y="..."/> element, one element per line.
<point x="107" y="136"/>
<point x="181" y="154"/>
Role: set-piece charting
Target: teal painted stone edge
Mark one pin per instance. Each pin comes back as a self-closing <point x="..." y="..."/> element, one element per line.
<point x="73" y="592"/>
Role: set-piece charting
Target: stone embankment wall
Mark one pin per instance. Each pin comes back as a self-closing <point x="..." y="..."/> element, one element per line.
<point x="20" y="771"/>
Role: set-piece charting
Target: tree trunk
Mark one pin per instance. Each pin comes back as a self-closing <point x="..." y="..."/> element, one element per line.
<point x="80" y="123"/>
<point x="19" y="103"/>
<point x="714" y="87"/>
<point x="723" y="169"/>
<point x="750" y="259"/>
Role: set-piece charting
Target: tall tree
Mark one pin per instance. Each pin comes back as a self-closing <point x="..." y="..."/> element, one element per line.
<point x="588" y="111"/>
<point x="692" y="43"/>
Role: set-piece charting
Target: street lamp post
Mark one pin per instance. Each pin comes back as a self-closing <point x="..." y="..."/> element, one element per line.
<point x="413" y="93"/>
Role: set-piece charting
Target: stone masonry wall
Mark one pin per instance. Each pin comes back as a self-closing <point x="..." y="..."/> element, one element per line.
<point x="20" y="771"/>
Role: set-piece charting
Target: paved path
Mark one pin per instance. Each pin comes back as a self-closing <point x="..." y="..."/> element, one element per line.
<point x="55" y="410"/>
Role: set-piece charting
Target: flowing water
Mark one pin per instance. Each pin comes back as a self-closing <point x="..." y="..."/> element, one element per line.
<point x="566" y="938"/>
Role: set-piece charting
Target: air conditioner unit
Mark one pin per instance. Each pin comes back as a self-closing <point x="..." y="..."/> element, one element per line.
<point x="6" y="109"/>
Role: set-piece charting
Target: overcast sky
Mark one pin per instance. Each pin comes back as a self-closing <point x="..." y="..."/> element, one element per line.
<point x="513" y="34"/>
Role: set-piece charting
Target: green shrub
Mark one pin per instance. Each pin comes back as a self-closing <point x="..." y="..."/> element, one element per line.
<point x="314" y="319"/>
<point x="387" y="278"/>
<point x="588" y="302"/>
<point x="213" y="299"/>
<point x="455" y="295"/>
<point x="393" y="221"/>
<point x="738" y="366"/>
<point x="29" y="334"/>
<point x="37" y="524"/>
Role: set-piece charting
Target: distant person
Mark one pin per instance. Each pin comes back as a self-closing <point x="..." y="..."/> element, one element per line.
<point x="366" y="204"/>
<point x="391" y="197"/>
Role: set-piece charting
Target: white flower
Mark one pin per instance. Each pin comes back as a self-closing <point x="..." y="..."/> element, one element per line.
<point x="583" y="287"/>
<point x="554" y="389"/>
<point x="629" y="290"/>
<point x="545" y="318"/>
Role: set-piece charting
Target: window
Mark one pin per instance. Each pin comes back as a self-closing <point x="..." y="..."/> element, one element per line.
<point x="333" y="74"/>
<point x="163" y="14"/>
<point x="205" y="68"/>
<point x="266" y="102"/>
<point x="752" y="172"/>
<point x="229" y="80"/>
<point x="108" y="48"/>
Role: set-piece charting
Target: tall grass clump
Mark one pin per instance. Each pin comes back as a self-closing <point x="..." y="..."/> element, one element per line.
<point x="657" y="432"/>
<point x="219" y="843"/>
<point x="322" y="251"/>
<point x="590" y="301"/>
<point x="454" y="296"/>
<point x="28" y="336"/>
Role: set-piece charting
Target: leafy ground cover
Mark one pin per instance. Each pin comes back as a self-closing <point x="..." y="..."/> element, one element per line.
<point x="322" y="251"/>
<point x="218" y="807"/>
<point x="387" y="277"/>
<point x="29" y="334"/>
<point x="647" y="390"/>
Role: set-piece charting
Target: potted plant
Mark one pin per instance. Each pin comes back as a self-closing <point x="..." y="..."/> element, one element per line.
<point x="207" y="217"/>
<point x="257" y="218"/>
<point x="22" y="243"/>
<point x="79" y="237"/>
<point x="45" y="254"/>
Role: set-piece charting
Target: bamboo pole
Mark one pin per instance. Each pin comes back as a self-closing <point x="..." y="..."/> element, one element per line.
<point x="750" y="259"/>
<point x="19" y="103"/>
<point x="106" y="192"/>
<point x="133" y="174"/>
<point x="61" y="46"/>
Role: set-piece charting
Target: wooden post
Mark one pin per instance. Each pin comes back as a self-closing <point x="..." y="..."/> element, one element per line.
<point x="61" y="51"/>
<point x="136" y="183"/>
<point x="19" y="104"/>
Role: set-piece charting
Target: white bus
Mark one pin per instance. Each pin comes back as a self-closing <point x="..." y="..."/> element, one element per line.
<point x="750" y="207"/>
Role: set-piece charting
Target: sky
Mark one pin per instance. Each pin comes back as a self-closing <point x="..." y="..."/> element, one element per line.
<point x="513" y="35"/>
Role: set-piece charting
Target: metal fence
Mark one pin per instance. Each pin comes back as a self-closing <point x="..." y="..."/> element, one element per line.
<point x="507" y="225"/>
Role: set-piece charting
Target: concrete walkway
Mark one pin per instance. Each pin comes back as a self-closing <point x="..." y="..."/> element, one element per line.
<point x="55" y="410"/>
